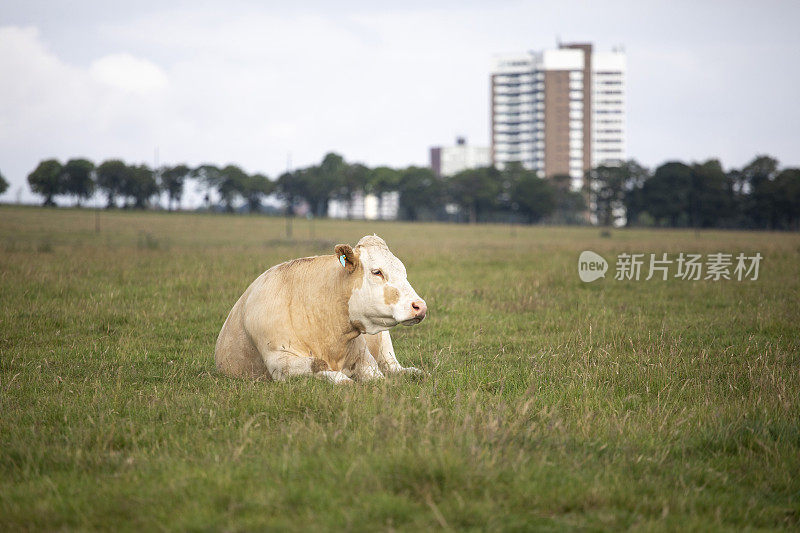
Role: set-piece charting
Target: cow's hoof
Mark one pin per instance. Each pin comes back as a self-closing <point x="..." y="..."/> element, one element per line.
<point x="371" y="375"/>
<point x="336" y="377"/>
<point x="414" y="372"/>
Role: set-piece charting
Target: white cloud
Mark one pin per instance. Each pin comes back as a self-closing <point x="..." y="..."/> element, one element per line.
<point x="50" y="108"/>
<point x="37" y="86"/>
<point x="129" y="73"/>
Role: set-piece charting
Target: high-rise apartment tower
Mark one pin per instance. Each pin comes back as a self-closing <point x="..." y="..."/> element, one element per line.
<point x="559" y="111"/>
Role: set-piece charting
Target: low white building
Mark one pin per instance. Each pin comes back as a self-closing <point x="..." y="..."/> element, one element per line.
<point x="449" y="160"/>
<point x="366" y="207"/>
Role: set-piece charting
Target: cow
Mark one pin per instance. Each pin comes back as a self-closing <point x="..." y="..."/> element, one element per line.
<point x="325" y="316"/>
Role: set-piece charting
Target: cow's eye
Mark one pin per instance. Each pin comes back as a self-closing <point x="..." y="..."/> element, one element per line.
<point x="377" y="272"/>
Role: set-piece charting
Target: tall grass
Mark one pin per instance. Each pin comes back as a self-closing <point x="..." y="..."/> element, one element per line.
<point x="551" y="404"/>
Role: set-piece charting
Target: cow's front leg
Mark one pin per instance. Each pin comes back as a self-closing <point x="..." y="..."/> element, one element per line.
<point x="361" y="365"/>
<point x="380" y="345"/>
<point x="282" y="365"/>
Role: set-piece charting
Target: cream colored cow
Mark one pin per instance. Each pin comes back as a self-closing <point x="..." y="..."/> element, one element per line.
<point x="326" y="316"/>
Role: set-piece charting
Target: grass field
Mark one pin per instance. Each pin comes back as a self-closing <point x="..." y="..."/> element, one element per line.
<point x="551" y="404"/>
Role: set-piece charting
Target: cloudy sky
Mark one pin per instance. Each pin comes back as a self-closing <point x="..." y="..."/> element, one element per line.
<point x="268" y="84"/>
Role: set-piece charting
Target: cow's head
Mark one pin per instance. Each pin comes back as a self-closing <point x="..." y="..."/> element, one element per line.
<point x="384" y="297"/>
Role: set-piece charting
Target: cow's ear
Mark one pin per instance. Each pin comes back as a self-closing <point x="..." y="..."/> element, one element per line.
<point x="346" y="256"/>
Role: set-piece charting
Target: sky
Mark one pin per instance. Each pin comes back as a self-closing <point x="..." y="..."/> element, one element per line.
<point x="277" y="85"/>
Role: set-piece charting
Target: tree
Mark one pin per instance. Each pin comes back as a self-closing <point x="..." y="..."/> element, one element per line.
<point x="3" y="184"/>
<point x="667" y="193"/>
<point x="701" y="195"/>
<point x="78" y="179"/>
<point x="315" y="184"/>
<point x="510" y="178"/>
<point x="762" y="168"/>
<point x="635" y="177"/>
<point x="607" y="186"/>
<point x="332" y="166"/>
<point x="786" y="199"/>
<point x="230" y="183"/>
<point x="253" y="189"/>
<point x="756" y="183"/>
<point x="535" y="197"/>
<point x="381" y="180"/>
<point x="208" y="175"/>
<point x="353" y="179"/>
<point x="47" y="180"/>
<point x="111" y="175"/>
<point x="332" y="178"/>
<point x="320" y="183"/>
<point x="289" y="188"/>
<point x="139" y="185"/>
<point x="173" y="180"/>
<point x="611" y="189"/>
<point x="711" y="201"/>
<point x="569" y="207"/>
<point x="475" y="190"/>
<point x="419" y="190"/>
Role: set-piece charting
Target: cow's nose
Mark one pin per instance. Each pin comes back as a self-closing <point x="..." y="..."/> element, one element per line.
<point x="420" y="308"/>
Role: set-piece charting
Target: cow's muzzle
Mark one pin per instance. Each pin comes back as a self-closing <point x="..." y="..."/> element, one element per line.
<point x="419" y="308"/>
<point x="418" y="311"/>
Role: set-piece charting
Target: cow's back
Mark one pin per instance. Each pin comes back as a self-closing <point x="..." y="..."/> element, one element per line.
<point x="235" y="353"/>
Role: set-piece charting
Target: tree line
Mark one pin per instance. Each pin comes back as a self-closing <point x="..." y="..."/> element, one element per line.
<point x="136" y="185"/>
<point x="480" y="194"/>
<point x="760" y="195"/>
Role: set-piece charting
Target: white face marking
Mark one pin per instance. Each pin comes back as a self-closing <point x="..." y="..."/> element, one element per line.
<point x="385" y="297"/>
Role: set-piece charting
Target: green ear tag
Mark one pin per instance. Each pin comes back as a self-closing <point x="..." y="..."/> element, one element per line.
<point x="341" y="260"/>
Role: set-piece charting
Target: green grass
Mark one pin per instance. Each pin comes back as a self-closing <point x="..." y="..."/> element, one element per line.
<point x="551" y="404"/>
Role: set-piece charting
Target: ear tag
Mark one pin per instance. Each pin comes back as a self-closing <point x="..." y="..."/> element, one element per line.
<point x="341" y="260"/>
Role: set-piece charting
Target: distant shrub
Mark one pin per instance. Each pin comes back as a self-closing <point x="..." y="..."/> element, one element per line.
<point x="148" y="242"/>
<point x="646" y="220"/>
